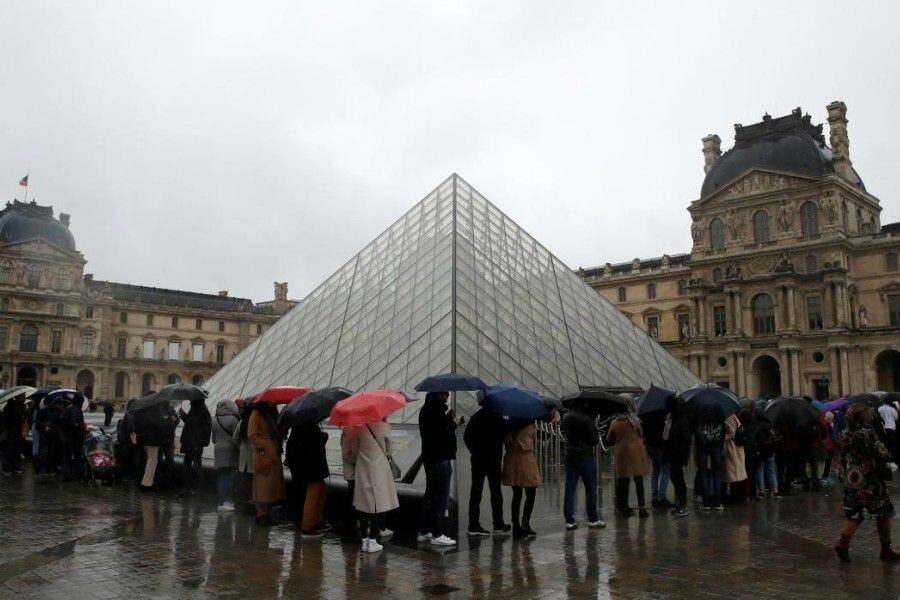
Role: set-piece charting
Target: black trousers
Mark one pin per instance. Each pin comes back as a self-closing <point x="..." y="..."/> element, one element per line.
<point x="368" y="525"/>
<point x="490" y="468"/>
<point x="622" y="491"/>
<point x="12" y="454"/>
<point x="530" y="494"/>
<point x="192" y="468"/>
<point x="676" y="476"/>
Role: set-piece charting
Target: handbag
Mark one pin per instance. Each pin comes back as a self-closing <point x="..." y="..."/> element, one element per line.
<point x="396" y="473"/>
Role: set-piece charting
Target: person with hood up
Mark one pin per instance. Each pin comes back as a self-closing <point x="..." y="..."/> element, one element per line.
<point x="268" y="471"/>
<point x="15" y="420"/>
<point x="195" y="436"/>
<point x="865" y="464"/>
<point x="225" y="452"/>
<point x="305" y="457"/>
<point x="522" y="474"/>
<point x="484" y="437"/>
<point x="677" y="439"/>
<point x="437" y="429"/>
<point x="630" y="458"/>
<point x="579" y="429"/>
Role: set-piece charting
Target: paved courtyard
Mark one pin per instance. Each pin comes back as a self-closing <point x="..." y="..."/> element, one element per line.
<point x="65" y="540"/>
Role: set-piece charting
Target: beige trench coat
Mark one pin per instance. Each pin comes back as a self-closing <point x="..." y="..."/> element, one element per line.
<point x="628" y="448"/>
<point x="734" y="468"/>
<point x="369" y="449"/>
<point x="268" y="472"/>
<point x="520" y="468"/>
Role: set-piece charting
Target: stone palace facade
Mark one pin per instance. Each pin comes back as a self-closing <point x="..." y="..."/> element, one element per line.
<point x="792" y="284"/>
<point x="60" y="326"/>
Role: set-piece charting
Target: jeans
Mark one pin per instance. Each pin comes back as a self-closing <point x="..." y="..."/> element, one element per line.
<point x="586" y="470"/>
<point x="436" y="498"/>
<point x="225" y="484"/>
<point x="490" y="468"/>
<point x="659" y="476"/>
<point x="676" y="471"/>
<point x="709" y="463"/>
<point x="765" y="475"/>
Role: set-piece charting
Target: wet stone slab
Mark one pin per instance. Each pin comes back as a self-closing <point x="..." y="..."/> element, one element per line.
<point x="65" y="540"/>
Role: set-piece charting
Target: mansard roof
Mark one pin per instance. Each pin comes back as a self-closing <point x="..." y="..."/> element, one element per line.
<point x="127" y="292"/>
<point x="675" y="260"/>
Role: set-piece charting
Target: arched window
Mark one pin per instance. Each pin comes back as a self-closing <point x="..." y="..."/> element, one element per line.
<point x="173" y="378"/>
<point x="845" y="216"/>
<point x="32" y="275"/>
<point x="717" y="234"/>
<point x="812" y="264"/>
<point x="121" y="381"/>
<point x="197" y="380"/>
<point x="6" y="272"/>
<point x="760" y="226"/>
<point x="651" y="290"/>
<point x="717" y="275"/>
<point x="623" y="295"/>
<point x="28" y="339"/>
<point x="763" y="314"/>
<point x="809" y="218"/>
<point x="148" y="382"/>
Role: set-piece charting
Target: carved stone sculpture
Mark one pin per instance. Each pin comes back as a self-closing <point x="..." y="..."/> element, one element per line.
<point x="735" y="223"/>
<point x="697" y="233"/>
<point x="786" y="217"/>
<point x="281" y="290"/>
<point x="863" y="316"/>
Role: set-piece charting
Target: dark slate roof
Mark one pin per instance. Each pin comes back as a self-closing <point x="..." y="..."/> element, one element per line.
<point x="891" y="229"/>
<point x="675" y="260"/>
<point x="790" y="144"/>
<point x="20" y="221"/>
<point x="175" y="298"/>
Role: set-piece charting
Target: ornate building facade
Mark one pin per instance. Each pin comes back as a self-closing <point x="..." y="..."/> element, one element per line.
<point x="60" y="326"/>
<point x="792" y="284"/>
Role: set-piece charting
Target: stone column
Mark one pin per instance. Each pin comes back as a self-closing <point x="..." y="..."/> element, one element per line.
<point x="795" y="371"/>
<point x="742" y="375"/>
<point x="845" y="370"/>
<point x="729" y="313"/>
<point x="702" y="320"/>
<point x="828" y="306"/>
<point x="739" y="313"/>
<point x="704" y="366"/>
<point x="835" y="365"/>
<point x="791" y="308"/>
<point x="785" y="360"/>
<point x="839" y="314"/>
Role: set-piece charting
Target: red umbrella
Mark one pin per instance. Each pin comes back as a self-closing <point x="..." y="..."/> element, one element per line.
<point x="366" y="407"/>
<point x="281" y="395"/>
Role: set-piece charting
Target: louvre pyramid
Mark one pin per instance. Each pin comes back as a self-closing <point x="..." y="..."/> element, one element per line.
<point x="509" y="311"/>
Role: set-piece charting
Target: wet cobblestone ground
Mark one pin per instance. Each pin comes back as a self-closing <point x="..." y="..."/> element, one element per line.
<point x="65" y="540"/>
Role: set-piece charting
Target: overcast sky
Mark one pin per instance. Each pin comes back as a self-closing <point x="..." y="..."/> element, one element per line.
<point x="226" y="145"/>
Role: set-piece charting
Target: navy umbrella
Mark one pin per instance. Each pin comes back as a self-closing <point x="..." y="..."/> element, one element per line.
<point x="514" y="402"/>
<point x="450" y="382"/>
<point x="599" y="402"/>
<point x="313" y="407"/>
<point x="710" y="403"/>
<point x="655" y="399"/>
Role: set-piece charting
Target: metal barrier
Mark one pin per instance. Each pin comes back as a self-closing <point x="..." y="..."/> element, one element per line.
<point x="550" y="451"/>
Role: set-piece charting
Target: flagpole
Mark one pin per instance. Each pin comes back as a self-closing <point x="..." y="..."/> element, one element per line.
<point x="27" y="181"/>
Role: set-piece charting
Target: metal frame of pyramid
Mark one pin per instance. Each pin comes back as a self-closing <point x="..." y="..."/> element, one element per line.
<point x="453" y="285"/>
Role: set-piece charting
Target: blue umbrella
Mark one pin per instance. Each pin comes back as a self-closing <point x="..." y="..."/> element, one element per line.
<point x="514" y="402"/>
<point x="450" y="382"/>
<point x="656" y="398"/>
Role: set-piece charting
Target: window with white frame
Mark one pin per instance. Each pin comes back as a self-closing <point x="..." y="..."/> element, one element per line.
<point x="149" y="348"/>
<point x="198" y="352"/>
<point x="174" y="350"/>
<point x="87" y="343"/>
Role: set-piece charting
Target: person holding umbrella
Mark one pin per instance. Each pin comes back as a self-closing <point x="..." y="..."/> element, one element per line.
<point x="437" y="429"/>
<point x="580" y="432"/>
<point x="305" y="457"/>
<point x="195" y="436"/>
<point x="484" y="438"/>
<point x="15" y="421"/>
<point x="268" y="472"/>
<point x="677" y="439"/>
<point x="865" y="463"/>
<point x="150" y="432"/>
<point x="244" y="487"/>
<point x="225" y="452"/>
<point x="630" y="458"/>
<point x="522" y="474"/>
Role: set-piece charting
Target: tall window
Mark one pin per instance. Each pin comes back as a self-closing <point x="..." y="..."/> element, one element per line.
<point x="623" y="295"/>
<point x="28" y="339"/>
<point x="894" y="309"/>
<point x="56" y="341"/>
<point x="6" y="272"/>
<point x="87" y="343"/>
<point x="761" y="226"/>
<point x="684" y="326"/>
<point x="717" y="234"/>
<point x="258" y="328"/>
<point x="651" y="290"/>
<point x="653" y="327"/>
<point x="890" y="261"/>
<point x="812" y="264"/>
<point x="150" y="320"/>
<point x="32" y="276"/>
<point x="89" y="312"/>
<point x="149" y="349"/>
<point x="4" y="337"/>
<point x="814" y="312"/>
<point x="60" y="309"/>
<point x="682" y="287"/>
<point x="59" y="279"/>
<point x="174" y="322"/>
<point x="220" y="353"/>
<point x="719" y="326"/>
<point x="4" y="304"/>
<point x="123" y="317"/>
<point x="763" y="314"/>
<point x="198" y="324"/>
<point x="120" y="385"/>
<point x="845" y="217"/>
<point x="809" y="218"/>
<point x="174" y="350"/>
<point x="198" y="352"/>
<point x="221" y="325"/>
<point x="717" y="275"/>
<point x="121" y="346"/>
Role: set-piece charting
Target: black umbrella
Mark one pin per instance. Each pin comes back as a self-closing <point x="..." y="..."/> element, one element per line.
<point x="313" y="407"/>
<point x="151" y="400"/>
<point x="655" y="399"/>
<point x="603" y="404"/>
<point x="870" y="399"/>
<point x="178" y="392"/>
<point x="710" y="403"/>
<point x="791" y="412"/>
<point x="451" y="382"/>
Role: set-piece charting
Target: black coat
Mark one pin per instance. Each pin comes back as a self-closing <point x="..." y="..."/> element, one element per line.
<point x="438" y="432"/>
<point x="152" y="426"/>
<point x="14" y="416"/>
<point x="581" y="435"/>
<point x="485" y="434"/>
<point x="678" y="446"/>
<point x="197" y="427"/>
<point x="305" y="454"/>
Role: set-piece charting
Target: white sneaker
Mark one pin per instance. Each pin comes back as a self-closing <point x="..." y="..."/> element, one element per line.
<point x="370" y="546"/>
<point x="365" y="544"/>
<point x="443" y="541"/>
<point x="226" y="507"/>
<point x="386" y="533"/>
<point x="597" y="524"/>
<point x="423" y="537"/>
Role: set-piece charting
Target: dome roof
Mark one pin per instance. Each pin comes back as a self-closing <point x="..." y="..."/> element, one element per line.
<point x="20" y="222"/>
<point x="789" y="144"/>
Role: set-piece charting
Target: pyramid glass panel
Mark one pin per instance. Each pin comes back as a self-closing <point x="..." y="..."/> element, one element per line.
<point x="453" y="285"/>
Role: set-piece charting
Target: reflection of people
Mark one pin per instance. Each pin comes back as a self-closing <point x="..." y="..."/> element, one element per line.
<point x="521" y="472"/>
<point x="864" y="460"/>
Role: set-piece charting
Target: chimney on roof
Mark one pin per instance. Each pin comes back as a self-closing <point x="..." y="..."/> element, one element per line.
<point x="223" y="294"/>
<point x="64" y="219"/>
<point x="88" y="278"/>
<point x="840" y="142"/>
<point x="712" y="150"/>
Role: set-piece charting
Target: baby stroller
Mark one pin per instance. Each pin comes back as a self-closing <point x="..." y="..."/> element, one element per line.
<point x="99" y="462"/>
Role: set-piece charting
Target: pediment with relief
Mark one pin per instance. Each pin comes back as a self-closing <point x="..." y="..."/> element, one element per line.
<point x="38" y="247"/>
<point x="757" y="182"/>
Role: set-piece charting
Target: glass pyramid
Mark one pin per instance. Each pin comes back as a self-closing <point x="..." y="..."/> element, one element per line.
<point x="453" y="285"/>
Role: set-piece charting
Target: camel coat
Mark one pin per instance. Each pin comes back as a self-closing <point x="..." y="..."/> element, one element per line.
<point x="368" y="449"/>
<point x="268" y="472"/>
<point x="629" y="454"/>
<point x="734" y="468"/>
<point x="520" y="467"/>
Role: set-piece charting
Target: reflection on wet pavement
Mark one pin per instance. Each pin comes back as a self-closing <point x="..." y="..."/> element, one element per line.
<point x="69" y="541"/>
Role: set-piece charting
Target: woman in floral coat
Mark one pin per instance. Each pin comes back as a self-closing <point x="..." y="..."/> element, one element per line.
<point x="863" y="459"/>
